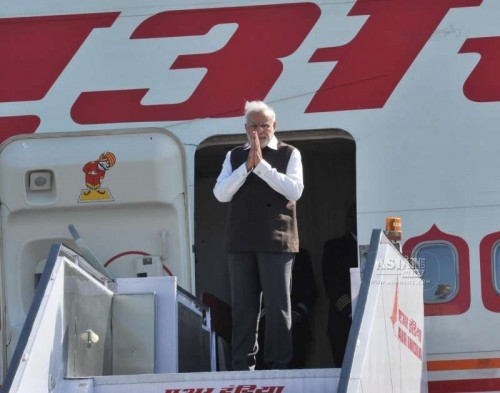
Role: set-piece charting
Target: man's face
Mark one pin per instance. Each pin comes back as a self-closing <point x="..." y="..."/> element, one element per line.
<point x="263" y="124"/>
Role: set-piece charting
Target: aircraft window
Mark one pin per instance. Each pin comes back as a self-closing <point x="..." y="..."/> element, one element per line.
<point x="496" y="267"/>
<point x="437" y="263"/>
<point x="489" y="252"/>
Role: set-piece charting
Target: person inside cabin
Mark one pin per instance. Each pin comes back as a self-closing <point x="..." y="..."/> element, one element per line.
<point x="262" y="181"/>
<point x="339" y="255"/>
<point x="304" y="294"/>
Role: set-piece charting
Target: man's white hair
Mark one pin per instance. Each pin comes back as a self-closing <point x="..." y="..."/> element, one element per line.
<point x="257" y="107"/>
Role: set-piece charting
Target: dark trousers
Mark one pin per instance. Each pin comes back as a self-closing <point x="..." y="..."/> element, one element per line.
<point x="339" y="334"/>
<point x="253" y="275"/>
<point x="301" y="338"/>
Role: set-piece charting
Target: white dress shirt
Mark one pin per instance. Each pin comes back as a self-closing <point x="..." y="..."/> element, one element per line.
<point x="289" y="184"/>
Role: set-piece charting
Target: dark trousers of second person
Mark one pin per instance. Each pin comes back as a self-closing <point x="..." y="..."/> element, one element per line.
<point x="252" y="274"/>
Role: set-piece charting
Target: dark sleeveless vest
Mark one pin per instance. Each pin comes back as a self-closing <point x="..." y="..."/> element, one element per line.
<point x="261" y="219"/>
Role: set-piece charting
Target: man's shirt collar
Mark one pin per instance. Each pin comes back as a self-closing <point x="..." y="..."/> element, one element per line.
<point x="273" y="143"/>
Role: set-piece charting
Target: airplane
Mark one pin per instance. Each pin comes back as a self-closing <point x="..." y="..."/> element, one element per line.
<point x="392" y="104"/>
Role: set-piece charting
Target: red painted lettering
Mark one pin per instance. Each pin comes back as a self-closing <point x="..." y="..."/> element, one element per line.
<point x="15" y="125"/>
<point x="35" y="51"/>
<point x="369" y="67"/>
<point x="483" y="85"/>
<point x="245" y="68"/>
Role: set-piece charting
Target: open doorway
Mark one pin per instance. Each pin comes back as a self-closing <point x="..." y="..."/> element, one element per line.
<point x="329" y="161"/>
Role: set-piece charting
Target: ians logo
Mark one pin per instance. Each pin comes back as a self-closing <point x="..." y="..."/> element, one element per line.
<point x="95" y="171"/>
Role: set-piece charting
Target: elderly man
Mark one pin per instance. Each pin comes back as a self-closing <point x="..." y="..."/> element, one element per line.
<point x="261" y="181"/>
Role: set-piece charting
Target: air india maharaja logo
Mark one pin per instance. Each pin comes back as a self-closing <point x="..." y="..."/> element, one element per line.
<point x="95" y="171"/>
